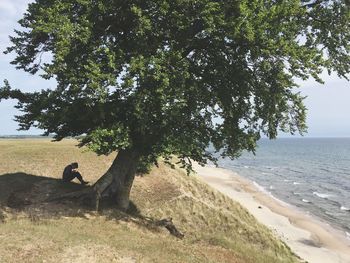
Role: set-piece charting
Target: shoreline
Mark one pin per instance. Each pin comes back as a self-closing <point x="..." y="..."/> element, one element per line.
<point x="309" y="238"/>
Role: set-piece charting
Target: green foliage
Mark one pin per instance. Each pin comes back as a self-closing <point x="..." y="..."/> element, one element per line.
<point x="171" y="77"/>
<point x="106" y="141"/>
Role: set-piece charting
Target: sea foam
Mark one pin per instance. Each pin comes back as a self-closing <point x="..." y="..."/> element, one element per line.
<point x="324" y="196"/>
<point x="259" y="187"/>
<point x="343" y="208"/>
<point x="347" y="235"/>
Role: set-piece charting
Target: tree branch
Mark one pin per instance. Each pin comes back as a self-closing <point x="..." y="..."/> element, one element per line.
<point x="313" y="4"/>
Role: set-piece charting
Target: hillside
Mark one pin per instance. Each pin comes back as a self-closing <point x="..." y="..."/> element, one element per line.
<point x="216" y="228"/>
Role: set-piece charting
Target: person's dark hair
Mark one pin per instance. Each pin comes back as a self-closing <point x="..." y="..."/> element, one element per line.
<point x="74" y="165"/>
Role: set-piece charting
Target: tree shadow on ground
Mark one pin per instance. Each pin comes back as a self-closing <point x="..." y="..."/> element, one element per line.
<point x="29" y="194"/>
<point x="35" y="197"/>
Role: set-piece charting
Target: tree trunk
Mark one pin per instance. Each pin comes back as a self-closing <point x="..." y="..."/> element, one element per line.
<point x="116" y="183"/>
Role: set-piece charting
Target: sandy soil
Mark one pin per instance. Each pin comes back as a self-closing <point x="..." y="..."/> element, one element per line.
<point x="308" y="237"/>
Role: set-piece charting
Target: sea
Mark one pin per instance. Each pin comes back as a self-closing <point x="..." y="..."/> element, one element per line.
<point x="312" y="174"/>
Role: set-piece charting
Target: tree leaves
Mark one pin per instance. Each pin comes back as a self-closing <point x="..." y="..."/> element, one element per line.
<point x="172" y="77"/>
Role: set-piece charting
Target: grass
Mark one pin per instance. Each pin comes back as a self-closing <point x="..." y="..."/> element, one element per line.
<point x="216" y="228"/>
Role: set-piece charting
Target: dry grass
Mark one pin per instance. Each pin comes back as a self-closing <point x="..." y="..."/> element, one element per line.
<point x="216" y="228"/>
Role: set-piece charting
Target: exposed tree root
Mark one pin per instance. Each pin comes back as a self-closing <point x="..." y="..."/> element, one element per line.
<point x="90" y="194"/>
<point x="168" y="224"/>
<point x="76" y="195"/>
<point x="156" y="224"/>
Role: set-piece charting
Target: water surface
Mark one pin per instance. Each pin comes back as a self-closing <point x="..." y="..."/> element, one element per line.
<point x="310" y="173"/>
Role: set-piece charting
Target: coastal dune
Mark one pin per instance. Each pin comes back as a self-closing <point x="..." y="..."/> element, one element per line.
<point x="312" y="240"/>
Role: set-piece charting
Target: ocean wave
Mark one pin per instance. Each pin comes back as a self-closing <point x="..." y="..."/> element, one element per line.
<point x="324" y="196"/>
<point x="263" y="190"/>
<point x="294" y="171"/>
<point x="295" y="193"/>
<point x="296" y="183"/>
<point x="347" y="235"/>
<point x="260" y="188"/>
<point x="343" y="208"/>
<point x="305" y="200"/>
<point x="346" y="173"/>
<point x="333" y="215"/>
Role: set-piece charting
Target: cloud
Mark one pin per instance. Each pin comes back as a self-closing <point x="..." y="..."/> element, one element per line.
<point x="10" y="12"/>
<point x="7" y="7"/>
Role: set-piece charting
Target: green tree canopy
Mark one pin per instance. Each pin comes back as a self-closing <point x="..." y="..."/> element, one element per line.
<point x="170" y="77"/>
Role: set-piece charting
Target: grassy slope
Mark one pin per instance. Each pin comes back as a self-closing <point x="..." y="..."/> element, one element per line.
<point x="216" y="228"/>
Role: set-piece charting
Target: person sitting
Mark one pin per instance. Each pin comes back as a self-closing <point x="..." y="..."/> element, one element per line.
<point x="71" y="172"/>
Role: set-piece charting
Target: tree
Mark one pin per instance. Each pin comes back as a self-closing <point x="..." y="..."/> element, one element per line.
<point x="162" y="78"/>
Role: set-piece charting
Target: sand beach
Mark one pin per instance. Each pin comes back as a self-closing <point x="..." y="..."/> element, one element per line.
<point x="311" y="239"/>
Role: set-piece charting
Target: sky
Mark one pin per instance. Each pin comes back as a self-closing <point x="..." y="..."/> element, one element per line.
<point x="328" y="105"/>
